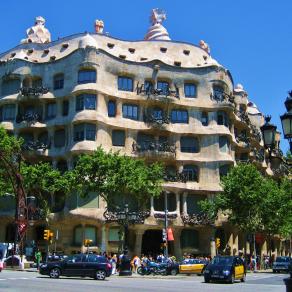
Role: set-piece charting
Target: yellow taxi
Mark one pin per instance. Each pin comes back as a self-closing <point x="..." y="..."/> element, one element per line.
<point x="225" y="268"/>
<point x="192" y="266"/>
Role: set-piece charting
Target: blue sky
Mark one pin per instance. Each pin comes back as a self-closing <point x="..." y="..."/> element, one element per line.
<point x="253" y="39"/>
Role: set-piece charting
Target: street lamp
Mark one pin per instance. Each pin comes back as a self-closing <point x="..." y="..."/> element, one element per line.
<point x="269" y="133"/>
<point x="125" y="218"/>
<point x="286" y="120"/>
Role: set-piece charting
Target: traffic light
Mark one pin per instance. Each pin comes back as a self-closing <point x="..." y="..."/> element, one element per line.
<point x="87" y="242"/>
<point x="46" y="234"/>
<point x="51" y="235"/>
<point x="217" y="242"/>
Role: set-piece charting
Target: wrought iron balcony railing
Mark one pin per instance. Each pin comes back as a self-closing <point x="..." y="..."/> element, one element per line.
<point x="29" y="117"/>
<point x="161" y="215"/>
<point x="243" y="116"/>
<point x="34" y="91"/>
<point x="243" y="139"/>
<point x="256" y="133"/>
<point x="36" y="145"/>
<point x="196" y="219"/>
<point x="154" y="119"/>
<point x="222" y="98"/>
<point x="157" y="147"/>
<point x="154" y="93"/>
<point x="137" y="217"/>
<point x="259" y="155"/>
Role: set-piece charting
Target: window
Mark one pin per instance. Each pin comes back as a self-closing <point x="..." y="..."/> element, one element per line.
<point x="113" y="234"/>
<point x="44" y="138"/>
<point x="59" y="138"/>
<point x="204" y="119"/>
<point x="37" y="82"/>
<point x="148" y="86"/>
<point x="193" y="206"/>
<point x="86" y="76"/>
<point x="189" y="144"/>
<point x="191" y="172"/>
<point x="10" y="86"/>
<point x="218" y="92"/>
<point x="65" y="108"/>
<point x="125" y="83"/>
<point x="62" y="166"/>
<point x="78" y="235"/>
<point x="130" y="111"/>
<point x="58" y="81"/>
<point x="27" y="137"/>
<point x="51" y="110"/>
<point x="223" y="170"/>
<point x="145" y="141"/>
<point x="7" y="112"/>
<point x="223" y="144"/>
<point x="164" y="87"/>
<point x="111" y="108"/>
<point x="189" y="238"/>
<point x="118" y="138"/>
<point x="84" y="132"/>
<point x="179" y="116"/>
<point x="159" y="203"/>
<point x="190" y="90"/>
<point x="85" y="102"/>
<point x="222" y="119"/>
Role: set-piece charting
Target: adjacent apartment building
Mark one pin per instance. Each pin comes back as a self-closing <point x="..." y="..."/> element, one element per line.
<point x="156" y="99"/>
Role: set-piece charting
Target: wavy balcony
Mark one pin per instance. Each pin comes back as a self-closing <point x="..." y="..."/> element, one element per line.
<point x="147" y="148"/>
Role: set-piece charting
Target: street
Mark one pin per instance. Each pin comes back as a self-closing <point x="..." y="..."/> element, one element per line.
<point x="32" y="281"/>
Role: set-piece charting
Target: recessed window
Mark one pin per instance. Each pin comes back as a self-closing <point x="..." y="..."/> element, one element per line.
<point x="65" y="108"/>
<point x="84" y="132"/>
<point x="58" y="81"/>
<point x="179" y="116"/>
<point x="131" y="50"/>
<point x="222" y="119"/>
<point x="191" y="172"/>
<point x="122" y="57"/>
<point x="111" y="107"/>
<point x="44" y="138"/>
<point x="85" y="102"/>
<point x="218" y="92"/>
<point x="118" y="138"/>
<point x="205" y="119"/>
<point x="177" y="63"/>
<point x="130" y="111"/>
<point x="163" y="86"/>
<point x="186" y="52"/>
<point x="223" y="144"/>
<point x="7" y="112"/>
<point x="223" y="170"/>
<point x="46" y="51"/>
<point x="51" y="110"/>
<point x="163" y="50"/>
<point x="59" y="138"/>
<point x="190" y="90"/>
<point x="125" y="83"/>
<point x="110" y="45"/>
<point x="159" y="203"/>
<point x="86" y="76"/>
<point x="10" y="86"/>
<point x="189" y="144"/>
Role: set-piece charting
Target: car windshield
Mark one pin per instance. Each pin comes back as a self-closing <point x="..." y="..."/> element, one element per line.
<point x="282" y="260"/>
<point x="222" y="261"/>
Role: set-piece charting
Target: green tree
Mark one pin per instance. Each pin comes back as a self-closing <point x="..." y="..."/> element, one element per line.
<point x="111" y="174"/>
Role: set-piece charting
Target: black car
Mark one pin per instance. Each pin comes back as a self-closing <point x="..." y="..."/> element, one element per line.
<point x="225" y="268"/>
<point x="281" y="264"/>
<point x="81" y="265"/>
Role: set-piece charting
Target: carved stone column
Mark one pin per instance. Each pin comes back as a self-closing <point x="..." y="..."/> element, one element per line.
<point x="177" y="197"/>
<point x="230" y="243"/>
<point x="151" y="206"/>
<point x="138" y="242"/>
<point x="184" y="200"/>
<point x="104" y="237"/>
<point x="177" y="246"/>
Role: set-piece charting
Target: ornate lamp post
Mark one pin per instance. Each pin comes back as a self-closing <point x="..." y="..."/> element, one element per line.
<point x="125" y="218"/>
<point x="269" y="133"/>
<point x="286" y="120"/>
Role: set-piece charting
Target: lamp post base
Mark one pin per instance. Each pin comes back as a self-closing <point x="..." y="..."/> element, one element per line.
<point x="125" y="266"/>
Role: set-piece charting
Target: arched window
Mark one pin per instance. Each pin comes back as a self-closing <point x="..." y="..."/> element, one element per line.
<point x="86" y="76"/>
<point x="10" y="86"/>
<point x="189" y="238"/>
<point x="189" y="144"/>
<point x="59" y="81"/>
<point x="191" y="172"/>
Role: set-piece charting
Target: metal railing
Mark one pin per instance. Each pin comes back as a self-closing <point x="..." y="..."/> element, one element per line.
<point x="29" y="117"/>
<point x="196" y="219"/>
<point x="34" y="91"/>
<point x="152" y="92"/>
<point x="149" y="146"/>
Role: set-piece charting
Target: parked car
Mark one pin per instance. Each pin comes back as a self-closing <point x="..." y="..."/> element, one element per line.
<point x="225" y="268"/>
<point x="192" y="266"/>
<point x="281" y="264"/>
<point x="80" y="265"/>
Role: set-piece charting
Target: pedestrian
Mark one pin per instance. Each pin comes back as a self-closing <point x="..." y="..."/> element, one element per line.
<point x="137" y="263"/>
<point x="38" y="258"/>
<point x="114" y="260"/>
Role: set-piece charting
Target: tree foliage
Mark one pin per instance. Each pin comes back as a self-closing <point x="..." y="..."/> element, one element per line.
<point x="110" y="174"/>
<point x="253" y="202"/>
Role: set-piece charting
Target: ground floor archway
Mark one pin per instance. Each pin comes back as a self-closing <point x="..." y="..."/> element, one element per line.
<point x="152" y="242"/>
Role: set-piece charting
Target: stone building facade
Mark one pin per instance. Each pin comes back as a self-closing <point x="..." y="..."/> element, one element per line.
<point x="156" y="99"/>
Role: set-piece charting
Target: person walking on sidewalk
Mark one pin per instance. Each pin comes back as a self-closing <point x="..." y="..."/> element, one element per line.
<point x="38" y="258"/>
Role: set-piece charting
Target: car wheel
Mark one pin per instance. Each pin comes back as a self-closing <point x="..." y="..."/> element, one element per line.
<point x="100" y="275"/>
<point x="55" y="273"/>
<point x="232" y="279"/>
<point x="173" y="272"/>
<point x="207" y="280"/>
<point x="243" y="279"/>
